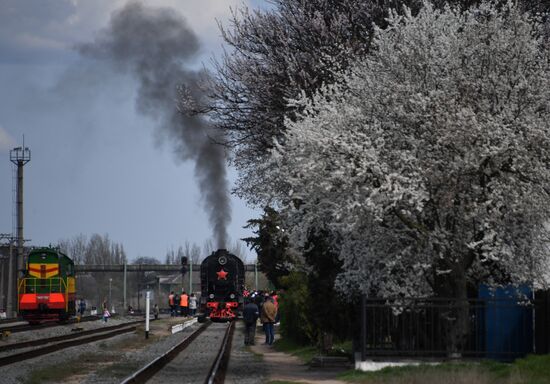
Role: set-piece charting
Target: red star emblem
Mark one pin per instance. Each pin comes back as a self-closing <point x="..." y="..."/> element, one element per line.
<point x="222" y="275"/>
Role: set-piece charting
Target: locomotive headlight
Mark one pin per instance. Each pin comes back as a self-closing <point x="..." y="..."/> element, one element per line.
<point x="232" y="296"/>
<point x="211" y="296"/>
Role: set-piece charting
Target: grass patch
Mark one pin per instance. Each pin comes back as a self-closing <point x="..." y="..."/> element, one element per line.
<point x="59" y="373"/>
<point x="530" y="370"/>
<point x="304" y="353"/>
<point x="283" y="382"/>
<point x="118" y="369"/>
<point x="344" y="348"/>
<point x="535" y="369"/>
<point x="53" y="374"/>
<point x="133" y="341"/>
<point x="104" y="363"/>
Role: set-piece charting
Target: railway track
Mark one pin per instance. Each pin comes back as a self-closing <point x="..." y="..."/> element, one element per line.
<point x="50" y="344"/>
<point x="48" y="340"/>
<point x="216" y="372"/>
<point x="14" y="328"/>
<point x="216" y="375"/>
<point x="7" y="321"/>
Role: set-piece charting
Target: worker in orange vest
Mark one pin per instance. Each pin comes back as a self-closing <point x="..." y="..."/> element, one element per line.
<point x="184" y="303"/>
<point x="172" y="304"/>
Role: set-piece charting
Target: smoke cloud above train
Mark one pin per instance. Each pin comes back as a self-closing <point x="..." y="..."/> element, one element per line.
<point x="157" y="47"/>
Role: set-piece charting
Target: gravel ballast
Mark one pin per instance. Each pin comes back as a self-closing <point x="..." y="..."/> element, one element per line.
<point x="112" y="360"/>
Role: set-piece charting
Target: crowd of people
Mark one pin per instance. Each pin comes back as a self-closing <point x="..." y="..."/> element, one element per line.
<point x="182" y="305"/>
<point x="262" y="305"/>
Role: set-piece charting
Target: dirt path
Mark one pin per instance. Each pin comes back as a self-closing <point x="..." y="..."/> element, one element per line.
<point x="284" y="367"/>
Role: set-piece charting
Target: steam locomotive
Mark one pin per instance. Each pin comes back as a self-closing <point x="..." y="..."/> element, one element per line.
<point x="47" y="291"/>
<point x="222" y="284"/>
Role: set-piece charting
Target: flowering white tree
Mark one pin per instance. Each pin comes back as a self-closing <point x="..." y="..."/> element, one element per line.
<point x="432" y="161"/>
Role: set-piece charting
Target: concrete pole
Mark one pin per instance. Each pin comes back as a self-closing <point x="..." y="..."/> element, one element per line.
<point x="20" y="237"/>
<point x="3" y="261"/>
<point x="124" y="290"/>
<point x="190" y="276"/>
<point x="147" y="315"/>
<point x="19" y="156"/>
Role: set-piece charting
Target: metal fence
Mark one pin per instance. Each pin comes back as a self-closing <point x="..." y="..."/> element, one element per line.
<point x="497" y="328"/>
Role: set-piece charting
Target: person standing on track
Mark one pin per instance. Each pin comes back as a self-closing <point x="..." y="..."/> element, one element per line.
<point x="250" y="316"/>
<point x="269" y="312"/>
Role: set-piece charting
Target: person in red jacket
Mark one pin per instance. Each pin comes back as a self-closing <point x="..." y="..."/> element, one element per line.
<point x="275" y="298"/>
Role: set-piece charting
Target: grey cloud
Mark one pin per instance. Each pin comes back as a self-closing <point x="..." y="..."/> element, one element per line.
<point x="28" y="29"/>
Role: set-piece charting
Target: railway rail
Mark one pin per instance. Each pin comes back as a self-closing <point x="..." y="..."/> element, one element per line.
<point x="72" y="340"/>
<point x="48" y="340"/>
<point x="7" y="321"/>
<point x="216" y="373"/>
<point x="28" y="327"/>
<point x="219" y="368"/>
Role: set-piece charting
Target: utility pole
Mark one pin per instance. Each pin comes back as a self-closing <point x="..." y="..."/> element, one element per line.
<point x="184" y="262"/>
<point x="2" y="296"/>
<point x="20" y="156"/>
<point x="125" y="302"/>
<point x="190" y="276"/>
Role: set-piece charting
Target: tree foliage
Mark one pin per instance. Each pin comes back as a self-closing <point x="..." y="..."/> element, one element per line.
<point x="294" y="307"/>
<point x="96" y="250"/>
<point x="272" y="57"/>
<point x="271" y="246"/>
<point x="330" y="312"/>
<point x="372" y="188"/>
<point x="432" y="161"/>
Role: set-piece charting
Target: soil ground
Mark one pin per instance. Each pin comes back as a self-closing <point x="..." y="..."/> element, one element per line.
<point x="283" y="367"/>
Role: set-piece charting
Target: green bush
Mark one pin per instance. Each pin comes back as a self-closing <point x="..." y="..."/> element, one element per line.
<point x="294" y="309"/>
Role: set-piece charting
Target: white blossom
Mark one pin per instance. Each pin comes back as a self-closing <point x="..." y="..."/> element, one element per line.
<point x="430" y="158"/>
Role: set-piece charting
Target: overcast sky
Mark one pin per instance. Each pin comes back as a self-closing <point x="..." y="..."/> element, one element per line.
<point x="98" y="166"/>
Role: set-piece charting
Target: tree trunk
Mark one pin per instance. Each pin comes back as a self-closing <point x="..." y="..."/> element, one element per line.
<point x="326" y="342"/>
<point x="454" y="315"/>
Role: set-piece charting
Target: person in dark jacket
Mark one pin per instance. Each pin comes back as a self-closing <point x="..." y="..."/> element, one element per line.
<point x="81" y="308"/>
<point x="250" y="316"/>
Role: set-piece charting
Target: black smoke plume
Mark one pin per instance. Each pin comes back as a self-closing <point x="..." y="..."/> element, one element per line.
<point x="156" y="45"/>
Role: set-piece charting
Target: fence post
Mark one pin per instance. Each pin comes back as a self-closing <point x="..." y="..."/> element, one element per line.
<point x="363" y="327"/>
